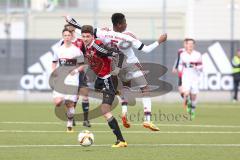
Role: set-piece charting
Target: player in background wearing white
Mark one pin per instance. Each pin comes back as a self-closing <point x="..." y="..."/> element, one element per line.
<point x="190" y="64"/>
<point x="175" y="68"/>
<point x="131" y="68"/>
<point x="68" y="55"/>
<point x="83" y="88"/>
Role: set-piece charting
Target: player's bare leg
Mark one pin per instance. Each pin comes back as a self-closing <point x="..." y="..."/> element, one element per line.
<point x="113" y="124"/>
<point x="58" y="101"/>
<point x="70" y="114"/>
<point x="193" y="105"/>
<point x="180" y="88"/>
<point x="124" y="102"/>
<point x="180" y="91"/>
<point x="115" y="84"/>
<point x="147" y="107"/>
<point x="187" y="102"/>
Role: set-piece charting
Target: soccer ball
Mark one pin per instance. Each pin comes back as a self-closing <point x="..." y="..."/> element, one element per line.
<point x="85" y="138"/>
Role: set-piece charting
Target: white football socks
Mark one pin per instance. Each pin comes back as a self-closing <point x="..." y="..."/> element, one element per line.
<point x="147" y="108"/>
<point x="124" y="100"/>
<point x="124" y="109"/>
<point x="70" y="114"/>
<point x="194" y="103"/>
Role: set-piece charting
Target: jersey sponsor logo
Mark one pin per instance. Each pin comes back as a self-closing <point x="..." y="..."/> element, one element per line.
<point x="124" y="45"/>
<point x="217" y="69"/>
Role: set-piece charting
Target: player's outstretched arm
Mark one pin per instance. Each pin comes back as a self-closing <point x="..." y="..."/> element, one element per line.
<point x="72" y="22"/>
<point x="175" y="68"/>
<point x="180" y="65"/>
<point x="176" y="64"/>
<point x="75" y="24"/>
<point x="162" y="38"/>
<point x="151" y="47"/>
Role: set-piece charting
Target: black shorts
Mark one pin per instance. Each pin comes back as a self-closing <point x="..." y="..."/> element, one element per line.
<point x="106" y="87"/>
<point x="82" y="80"/>
<point x="179" y="81"/>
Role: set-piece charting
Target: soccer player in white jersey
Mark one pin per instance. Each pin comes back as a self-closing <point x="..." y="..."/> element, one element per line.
<point x="190" y="64"/>
<point x="175" y="68"/>
<point x="68" y="55"/>
<point x="124" y="41"/>
<point x="83" y="88"/>
<point x="129" y="68"/>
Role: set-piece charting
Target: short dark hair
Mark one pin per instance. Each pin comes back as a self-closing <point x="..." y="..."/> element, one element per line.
<point x="189" y="39"/>
<point x="69" y="27"/>
<point x="65" y="29"/>
<point x="87" y="29"/>
<point x="117" y="18"/>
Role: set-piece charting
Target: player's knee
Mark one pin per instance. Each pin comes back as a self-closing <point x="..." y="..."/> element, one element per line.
<point x="105" y="109"/>
<point x="186" y="93"/>
<point x="58" y="102"/>
<point x="107" y="115"/>
<point x="70" y="112"/>
<point x="145" y="90"/>
<point x="69" y="104"/>
<point x="84" y="92"/>
<point x="124" y="102"/>
<point x="193" y="97"/>
<point x="85" y="99"/>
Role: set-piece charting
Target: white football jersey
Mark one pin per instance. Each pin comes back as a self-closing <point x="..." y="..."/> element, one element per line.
<point x="71" y="56"/>
<point x="123" y="41"/>
<point x="60" y="43"/>
<point x="190" y="64"/>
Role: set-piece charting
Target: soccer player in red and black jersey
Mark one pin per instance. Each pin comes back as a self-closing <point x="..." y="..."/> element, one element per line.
<point x="99" y="61"/>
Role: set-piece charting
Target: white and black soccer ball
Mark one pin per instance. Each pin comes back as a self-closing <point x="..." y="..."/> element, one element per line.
<point x="85" y="138"/>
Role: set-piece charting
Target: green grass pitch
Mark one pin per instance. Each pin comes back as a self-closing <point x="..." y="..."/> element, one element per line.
<point x="31" y="131"/>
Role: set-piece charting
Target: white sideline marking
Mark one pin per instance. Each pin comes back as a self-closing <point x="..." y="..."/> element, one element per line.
<point x="200" y="125"/>
<point x="127" y="132"/>
<point x="164" y="125"/>
<point x="133" y="145"/>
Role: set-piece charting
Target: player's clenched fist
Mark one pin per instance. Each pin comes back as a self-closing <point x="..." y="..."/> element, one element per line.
<point x="162" y="38"/>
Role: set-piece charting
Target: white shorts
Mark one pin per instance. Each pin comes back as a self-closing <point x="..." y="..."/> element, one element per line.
<point x="190" y="86"/>
<point x="70" y="80"/>
<point x="134" y="74"/>
<point x="73" y="98"/>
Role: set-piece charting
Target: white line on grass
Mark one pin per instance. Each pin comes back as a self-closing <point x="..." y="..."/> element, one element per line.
<point x="131" y="145"/>
<point x="60" y="123"/>
<point x="127" y="132"/>
<point x="134" y="124"/>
